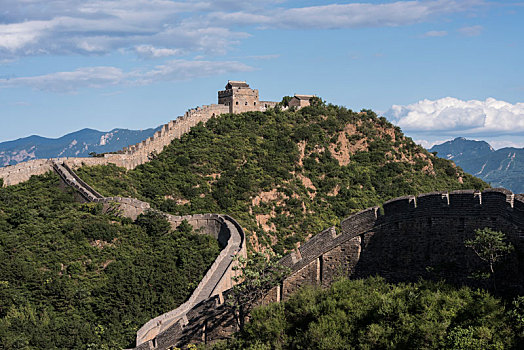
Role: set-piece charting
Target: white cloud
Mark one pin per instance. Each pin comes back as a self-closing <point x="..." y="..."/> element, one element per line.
<point x="435" y="33"/>
<point x="498" y="144"/>
<point x="155" y="52"/>
<point x="161" y="28"/>
<point x="97" y="27"/>
<point x="98" y="77"/>
<point x="92" y="77"/>
<point x="264" y="57"/>
<point x="427" y="144"/>
<point x="471" y="31"/>
<point x="355" y="15"/>
<point x="456" y="117"/>
<point x="184" y="69"/>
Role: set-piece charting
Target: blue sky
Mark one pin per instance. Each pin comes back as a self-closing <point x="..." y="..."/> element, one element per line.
<point x="438" y="68"/>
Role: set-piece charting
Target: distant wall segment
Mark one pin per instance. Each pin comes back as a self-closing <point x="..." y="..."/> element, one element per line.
<point x="237" y="97"/>
<point x="130" y="157"/>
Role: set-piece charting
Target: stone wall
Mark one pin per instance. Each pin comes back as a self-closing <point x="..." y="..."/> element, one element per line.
<point x="238" y="100"/>
<point x="410" y="237"/>
<point x="21" y="172"/>
<point x="129" y="158"/>
<point x="265" y="105"/>
<point x="217" y="279"/>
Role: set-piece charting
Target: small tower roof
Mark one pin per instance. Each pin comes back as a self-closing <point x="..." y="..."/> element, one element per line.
<point x="304" y="97"/>
<point x="234" y="83"/>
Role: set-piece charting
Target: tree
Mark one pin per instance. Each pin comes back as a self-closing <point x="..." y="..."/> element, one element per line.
<point x="490" y="246"/>
<point x="317" y="101"/>
<point x="255" y="278"/>
<point x="154" y="223"/>
<point x="285" y="101"/>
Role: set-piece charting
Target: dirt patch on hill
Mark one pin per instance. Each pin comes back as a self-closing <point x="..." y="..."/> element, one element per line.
<point x="345" y="147"/>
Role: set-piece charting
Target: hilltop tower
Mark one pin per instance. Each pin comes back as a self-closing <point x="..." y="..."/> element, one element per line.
<point x="299" y="101"/>
<point x="239" y="97"/>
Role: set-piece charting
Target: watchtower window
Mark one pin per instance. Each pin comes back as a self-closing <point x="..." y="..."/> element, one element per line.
<point x="237" y="103"/>
<point x="246" y="103"/>
<point x="254" y="103"/>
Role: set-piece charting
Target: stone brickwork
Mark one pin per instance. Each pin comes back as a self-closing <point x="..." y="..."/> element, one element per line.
<point x="129" y="158"/>
<point x="411" y="237"/>
<point x="299" y="101"/>
<point x="239" y="97"/>
<point x="216" y="280"/>
<point x="21" y="172"/>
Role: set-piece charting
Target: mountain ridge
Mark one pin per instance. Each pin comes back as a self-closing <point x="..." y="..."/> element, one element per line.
<point x="501" y="168"/>
<point x="79" y="143"/>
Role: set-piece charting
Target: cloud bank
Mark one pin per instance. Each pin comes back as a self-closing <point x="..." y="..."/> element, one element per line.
<point x="356" y="15"/>
<point x="452" y="116"/>
<point x="186" y="30"/>
<point x="161" y="28"/>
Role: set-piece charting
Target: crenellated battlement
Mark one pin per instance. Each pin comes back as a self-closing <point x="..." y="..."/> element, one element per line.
<point x="410" y="237"/>
<point x="129" y="157"/>
<point x="491" y="202"/>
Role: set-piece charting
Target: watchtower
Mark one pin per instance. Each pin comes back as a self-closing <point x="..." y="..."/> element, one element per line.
<point x="239" y="97"/>
<point x="299" y="101"/>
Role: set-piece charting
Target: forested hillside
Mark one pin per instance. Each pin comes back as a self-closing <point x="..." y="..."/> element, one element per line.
<point x="373" y="314"/>
<point x="74" y="277"/>
<point x="284" y="175"/>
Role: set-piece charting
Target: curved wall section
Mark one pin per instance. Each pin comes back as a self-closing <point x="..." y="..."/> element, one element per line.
<point x="218" y="277"/>
<point x="415" y="237"/>
<point x="410" y="237"/>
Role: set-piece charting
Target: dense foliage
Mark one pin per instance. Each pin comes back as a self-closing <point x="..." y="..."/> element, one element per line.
<point x="284" y="175"/>
<point x="74" y="277"/>
<point x="373" y="314"/>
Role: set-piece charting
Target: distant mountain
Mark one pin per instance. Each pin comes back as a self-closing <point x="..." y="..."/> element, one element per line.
<point x="501" y="168"/>
<point x="77" y="144"/>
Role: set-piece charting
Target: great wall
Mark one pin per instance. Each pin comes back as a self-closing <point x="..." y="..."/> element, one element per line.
<point x="130" y="157"/>
<point x="406" y="239"/>
<point x="217" y="279"/>
<point x="237" y="97"/>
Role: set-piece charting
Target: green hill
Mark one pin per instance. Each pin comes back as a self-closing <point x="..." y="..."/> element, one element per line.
<point x="284" y="175"/>
<point x="74" y="277"/>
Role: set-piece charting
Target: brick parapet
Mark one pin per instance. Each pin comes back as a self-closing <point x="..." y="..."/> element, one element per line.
<point x="217" y="279"/>
<point x="365" y="236"/>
